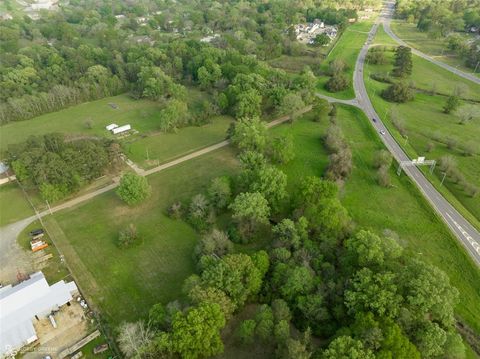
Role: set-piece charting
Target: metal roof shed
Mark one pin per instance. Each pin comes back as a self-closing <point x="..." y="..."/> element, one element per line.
<point x="111" y="126"/>
<point x="21" y="303"/>
<point x="121" y="129"/>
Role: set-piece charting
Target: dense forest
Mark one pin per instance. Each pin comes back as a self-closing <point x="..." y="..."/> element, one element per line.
<point x="57" y="167"/>
<point x="440" y="18"/>
<point x="91" y="49"/>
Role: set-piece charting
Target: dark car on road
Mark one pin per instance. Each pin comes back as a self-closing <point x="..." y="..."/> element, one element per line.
<point x="374" y="119"/>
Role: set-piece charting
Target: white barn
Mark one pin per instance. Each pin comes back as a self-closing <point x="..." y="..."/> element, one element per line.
<point x="20" y="304"/>
<point x="111" y="126"/>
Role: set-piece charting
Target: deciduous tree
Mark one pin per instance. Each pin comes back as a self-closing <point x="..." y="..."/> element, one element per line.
<point x="250" y="134"/>
<point x="195" y="333"/>
<point x="133" y="189"/>
<point x="133" y="338"/>
<point x="250" y="209"/>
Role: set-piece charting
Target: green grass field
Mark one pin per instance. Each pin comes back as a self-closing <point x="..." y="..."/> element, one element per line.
<point x="163" y="147"/>
<point x="347" y="49"/>
<point x="433" y="47"/>
<point x="124" y="283"/>
<point x="426" y="123"/>
<point x="400" y="208"/>
<point x="141" y="114"/>
<point x="13" y="204"/>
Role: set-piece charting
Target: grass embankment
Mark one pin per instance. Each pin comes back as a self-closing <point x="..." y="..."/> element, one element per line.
<point x="347" y="49"/>
<point x="436" y="48"/>
<point x="425" y="123"/>
<point x="400" y="208"/>
<point x="125" y="283"/>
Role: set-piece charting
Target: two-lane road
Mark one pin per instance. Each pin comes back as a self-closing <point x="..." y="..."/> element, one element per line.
<point x="462" y="229"/>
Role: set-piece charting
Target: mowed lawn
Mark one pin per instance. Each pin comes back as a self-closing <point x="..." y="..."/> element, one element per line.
<point x="13" y="204"/>
<point x="162" y="147"/>
<point x="400" y="208"/>
<point x="347" y="49"/>
<point x="423" y="42"/>
<point x="125" y="283"/>
<point x="426" y="123"/>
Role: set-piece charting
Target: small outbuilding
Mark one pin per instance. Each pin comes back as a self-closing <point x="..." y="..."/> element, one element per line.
<point x="121" y="129"/>
<point x="111" y="126"/>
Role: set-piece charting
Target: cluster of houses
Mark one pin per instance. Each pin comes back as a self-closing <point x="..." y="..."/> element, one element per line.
<point x="306" y="33"/>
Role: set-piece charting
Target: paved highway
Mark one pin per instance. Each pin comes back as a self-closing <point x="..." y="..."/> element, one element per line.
<point x="390" y="6"/>
<point x="460" y="227"/>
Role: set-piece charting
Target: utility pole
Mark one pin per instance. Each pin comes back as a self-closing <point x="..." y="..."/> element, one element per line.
<point x="48" y="205"/>
<point x="476" y="66"/>
<point x="443" y="178"/>
<point x="406" y="140"/>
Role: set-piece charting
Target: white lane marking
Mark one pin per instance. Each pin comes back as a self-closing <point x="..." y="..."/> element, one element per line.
<point x="469" y="238"/>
